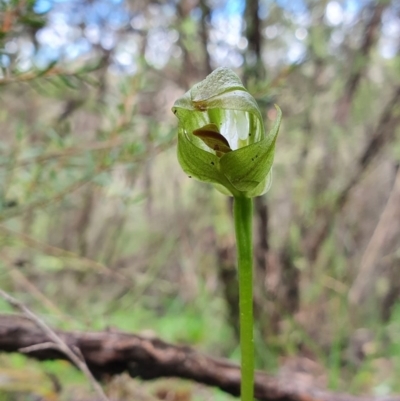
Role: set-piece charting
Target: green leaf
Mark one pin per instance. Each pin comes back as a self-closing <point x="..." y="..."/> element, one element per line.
<point x="68" y="81"/>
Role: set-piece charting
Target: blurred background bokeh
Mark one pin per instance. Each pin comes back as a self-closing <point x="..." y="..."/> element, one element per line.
<point x="99" y="227"/>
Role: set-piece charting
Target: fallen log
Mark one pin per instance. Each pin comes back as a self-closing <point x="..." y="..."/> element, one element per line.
<point x="110" y="353"/>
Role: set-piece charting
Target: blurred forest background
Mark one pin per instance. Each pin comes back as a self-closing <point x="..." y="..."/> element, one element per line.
<point x="100" y="228"/>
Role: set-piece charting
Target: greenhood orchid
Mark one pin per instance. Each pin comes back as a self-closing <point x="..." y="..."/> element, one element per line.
<point x="221" y="137"/>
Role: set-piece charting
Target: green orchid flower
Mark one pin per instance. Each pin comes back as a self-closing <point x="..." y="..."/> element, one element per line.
<point x="221" y="136"/>
<point x="221" y="139"/>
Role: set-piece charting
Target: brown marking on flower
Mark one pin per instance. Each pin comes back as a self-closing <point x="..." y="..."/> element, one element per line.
<point x="201" y="105"/>
<point x="211" y="136"/>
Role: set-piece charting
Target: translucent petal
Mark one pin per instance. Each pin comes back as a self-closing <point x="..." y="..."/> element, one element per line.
<point x="242" y="124"/>
<point x="229" y="131"/>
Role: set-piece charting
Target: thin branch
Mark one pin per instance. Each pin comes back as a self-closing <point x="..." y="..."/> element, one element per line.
<point x="61" y="253"/>
<point x="69" y="152"/>
<point x="362" y="56"/>
<point x="39" y="347"/>
<point x="59" y="343"/>
<point x="41" y="203"/>
<point x="369" y="267"/>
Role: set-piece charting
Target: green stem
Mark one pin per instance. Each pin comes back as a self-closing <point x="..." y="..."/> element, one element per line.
<point x="243" y="214"/>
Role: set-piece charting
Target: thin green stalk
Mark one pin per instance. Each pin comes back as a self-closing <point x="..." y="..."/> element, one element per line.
<point x="243" y="214"/>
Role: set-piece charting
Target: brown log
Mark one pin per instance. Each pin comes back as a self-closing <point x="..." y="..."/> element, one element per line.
<point x="110" y="353"/>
